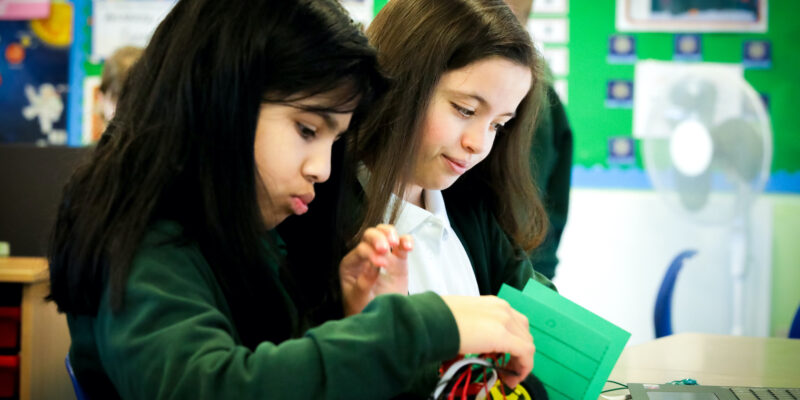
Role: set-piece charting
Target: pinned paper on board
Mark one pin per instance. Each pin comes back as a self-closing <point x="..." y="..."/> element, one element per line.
<point x="621" y="49"/>
<point x="557" y="59"/>
<point x="549" y="30"/>
<point x="621" y="150"/>
<point x="757" y="54"/>
<point x="125" y="23"/>
<point x="687" y="47"/>
<point x="24" y="9"/>
<point x="550" y="7"/>
<point x="575" y="348"/>
<point x="691" y="15"/>
<point x="619" y="93"/>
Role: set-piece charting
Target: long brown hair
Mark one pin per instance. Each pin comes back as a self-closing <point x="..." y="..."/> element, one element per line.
<point x="418" y="41"/>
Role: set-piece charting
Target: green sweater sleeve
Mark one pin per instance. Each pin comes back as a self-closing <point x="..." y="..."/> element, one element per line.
<point x="174" y="340"/>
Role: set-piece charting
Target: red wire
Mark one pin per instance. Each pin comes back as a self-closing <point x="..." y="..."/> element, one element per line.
<point x="455" y="387"/>
<point x="485" y="372"/>
<point x="466" y="386"/>
<point x="502" y="384"/>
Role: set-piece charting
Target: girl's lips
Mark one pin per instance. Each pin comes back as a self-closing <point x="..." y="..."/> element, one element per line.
<point x="300" y="203"/>
<point x="458" y="167"/>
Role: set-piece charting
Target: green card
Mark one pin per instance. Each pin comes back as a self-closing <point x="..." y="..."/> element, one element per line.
<point x="575" y="348"/>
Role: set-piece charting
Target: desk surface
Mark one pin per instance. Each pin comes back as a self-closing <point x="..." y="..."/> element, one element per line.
<point x="23" y="269"/>
<point x="716" y="360"/>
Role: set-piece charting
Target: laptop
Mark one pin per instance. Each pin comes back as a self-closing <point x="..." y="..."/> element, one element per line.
<point x="641" y="391"/>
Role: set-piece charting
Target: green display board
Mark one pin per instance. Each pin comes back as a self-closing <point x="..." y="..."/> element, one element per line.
<point x="591" y="24"/>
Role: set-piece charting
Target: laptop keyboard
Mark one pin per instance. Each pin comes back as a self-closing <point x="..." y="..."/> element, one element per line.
<point x="743" y="393"/>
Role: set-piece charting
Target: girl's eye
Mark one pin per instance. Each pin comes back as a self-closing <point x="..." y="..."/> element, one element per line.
<point x="465" y="112"/>
<point x="305" y="132"/>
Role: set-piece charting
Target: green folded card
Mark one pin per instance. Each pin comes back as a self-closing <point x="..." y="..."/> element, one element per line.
<point x="575" y="348"/>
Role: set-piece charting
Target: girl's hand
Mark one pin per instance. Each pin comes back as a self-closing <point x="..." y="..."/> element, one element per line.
<point x="487" y="324"/>
<point x="377" y="265"/>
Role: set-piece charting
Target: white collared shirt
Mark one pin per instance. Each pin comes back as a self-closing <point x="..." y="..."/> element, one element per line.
<point x="438" y="261"/>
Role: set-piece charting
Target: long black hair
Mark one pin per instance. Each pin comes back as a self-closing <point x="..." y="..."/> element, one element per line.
<point x="181" y="147"/>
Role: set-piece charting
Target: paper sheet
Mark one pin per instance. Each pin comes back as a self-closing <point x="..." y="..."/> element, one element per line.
<point x="575" y="349"/>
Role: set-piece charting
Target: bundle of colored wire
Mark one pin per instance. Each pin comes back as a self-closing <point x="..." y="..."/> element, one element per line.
<point x="457" y="378"/>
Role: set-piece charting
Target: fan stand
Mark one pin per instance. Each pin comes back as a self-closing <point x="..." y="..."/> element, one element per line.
<point x="740" y="227"/>
<point x="738" y="272"/>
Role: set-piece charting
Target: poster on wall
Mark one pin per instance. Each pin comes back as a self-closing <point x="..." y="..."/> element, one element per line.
<point x="24" y="9"/>
<point x="125" y="23"/>
<point x="692" y="15"/>
<point x="33" y="77"/>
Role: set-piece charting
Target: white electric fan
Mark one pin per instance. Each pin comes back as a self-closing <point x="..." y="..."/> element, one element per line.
<point x="707" y="147"/>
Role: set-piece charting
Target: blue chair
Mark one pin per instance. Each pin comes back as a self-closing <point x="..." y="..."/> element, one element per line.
<point x="662" y="315"/>
<point x="78" y="391"/>
<point x="794" y="331"/>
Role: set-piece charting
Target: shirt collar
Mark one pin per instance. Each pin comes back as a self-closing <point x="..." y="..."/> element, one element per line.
<point x="411" y="216"/>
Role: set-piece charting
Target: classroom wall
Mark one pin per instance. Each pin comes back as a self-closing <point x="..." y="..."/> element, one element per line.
<point x="636" y="214"/>
<point x="618" y="244"/>
<point x="785" y="262"/>
<point x="593" y="22"/>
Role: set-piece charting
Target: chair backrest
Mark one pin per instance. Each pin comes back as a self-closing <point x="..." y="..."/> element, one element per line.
<point x="794" y="331"/>
<point x="78" y="390"/>
<point x="662" y="315"/>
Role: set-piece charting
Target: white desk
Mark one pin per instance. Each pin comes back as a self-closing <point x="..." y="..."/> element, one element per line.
<point x="715" y="360"/>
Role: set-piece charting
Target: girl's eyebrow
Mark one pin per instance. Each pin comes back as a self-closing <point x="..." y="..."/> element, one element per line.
<point x="330" y="122"/>
<point x="480" y="100"/>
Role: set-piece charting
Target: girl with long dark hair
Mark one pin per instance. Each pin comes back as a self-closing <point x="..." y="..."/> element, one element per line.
<point x="164" y="254"/>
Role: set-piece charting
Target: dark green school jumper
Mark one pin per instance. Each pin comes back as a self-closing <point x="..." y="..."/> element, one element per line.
<point x="174" y="339"/>
<point x="551" y="166"/>
<point x="495" y="260"/>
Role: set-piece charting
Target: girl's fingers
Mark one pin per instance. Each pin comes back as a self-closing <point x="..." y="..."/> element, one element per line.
<point x="390" y="234"/>
<point x="406" y="244"/>
<point x="373" y="247"/>
<point x="377" y="239"/>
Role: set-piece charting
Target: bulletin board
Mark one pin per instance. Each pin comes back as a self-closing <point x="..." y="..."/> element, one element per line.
<point x="595" y="124"/>
<point x="33" y="74"/>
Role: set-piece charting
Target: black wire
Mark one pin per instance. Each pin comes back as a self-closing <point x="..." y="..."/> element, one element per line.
<point x="611" y="390"/>
<point x="623" y="386"/>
